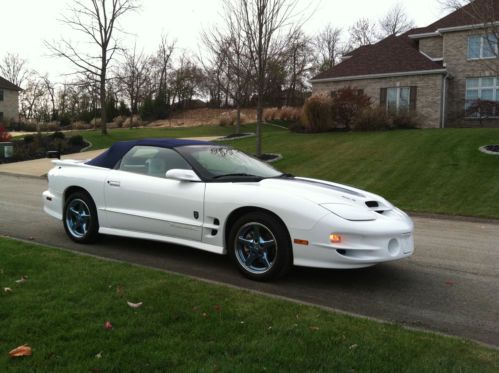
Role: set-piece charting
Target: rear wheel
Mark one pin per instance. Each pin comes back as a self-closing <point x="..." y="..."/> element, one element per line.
<point x="80" y="218"/>
<point x="260" y="246"/>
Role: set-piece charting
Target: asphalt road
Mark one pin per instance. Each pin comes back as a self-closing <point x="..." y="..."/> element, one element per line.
<point x="450" y="285"/>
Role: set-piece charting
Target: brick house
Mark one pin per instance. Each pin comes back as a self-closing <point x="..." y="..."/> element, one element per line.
<point x="9" y="100"/>
<point x="442" y="71"/>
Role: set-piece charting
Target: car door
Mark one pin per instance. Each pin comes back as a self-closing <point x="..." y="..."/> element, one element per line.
<point x="140" y="199"/>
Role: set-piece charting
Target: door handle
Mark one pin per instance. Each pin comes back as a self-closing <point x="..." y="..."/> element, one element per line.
<point x="114" y="183"/>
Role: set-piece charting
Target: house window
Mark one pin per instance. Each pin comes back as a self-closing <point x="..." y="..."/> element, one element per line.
<point x="1" y="94"/>
<point x="482" y="47"/>
<point x="1" y="116"/>
<point x="398" y="99"/>
<point x="482" y="97"/>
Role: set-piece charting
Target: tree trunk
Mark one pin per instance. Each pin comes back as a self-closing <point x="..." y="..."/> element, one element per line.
<point x="103" y="110"/>
<point x="238" y="121"/>
<point x="259" y="121"/>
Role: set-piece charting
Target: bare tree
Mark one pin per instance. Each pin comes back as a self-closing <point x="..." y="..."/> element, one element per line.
<point x="229" y="51"/>
<point x="14" y="69"/>
<point x="263" y="24"/>
<point x="50" y="91"/>
<point x="298" y="59"/>
<point x="395" y="22"/>
<point x="163" y="62"/>
<point x="97" y="20"/>
<point x="363" y="32"/>
<point x="133" y="76"/>
<point x="328" y="47"/>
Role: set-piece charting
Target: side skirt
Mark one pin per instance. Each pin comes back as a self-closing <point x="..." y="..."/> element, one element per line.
<point x="155" y="237"/>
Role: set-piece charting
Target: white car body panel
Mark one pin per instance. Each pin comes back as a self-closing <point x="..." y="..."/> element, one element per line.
<point x="160" y="209"/>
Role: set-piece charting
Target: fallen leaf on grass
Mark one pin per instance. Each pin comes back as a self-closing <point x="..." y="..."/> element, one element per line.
<point x="217" y="308"/>
<point x="20" y="351"/>
<point x="315" y="328"/>
<point x="7" y="290"/>
<point x="99" y="355"/>
<point x="120" y="289"/>
<point x="22" y="280"/>
<point x="204" y="314"/>
<point x="108" y="325"/>
<point x="134" y="305"/>
<point x="353" y="347"/>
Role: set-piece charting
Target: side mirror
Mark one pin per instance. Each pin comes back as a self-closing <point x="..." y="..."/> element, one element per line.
<point x="182" y="175"/>
<point x="54" y="154"/>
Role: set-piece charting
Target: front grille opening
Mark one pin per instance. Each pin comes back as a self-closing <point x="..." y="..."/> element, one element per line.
<point x="341" y="252"/>
<point x="381" y="212"/>
<point x="372" y="204"/>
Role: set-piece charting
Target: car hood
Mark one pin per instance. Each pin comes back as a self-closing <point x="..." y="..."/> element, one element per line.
<point x="328" y="193"/>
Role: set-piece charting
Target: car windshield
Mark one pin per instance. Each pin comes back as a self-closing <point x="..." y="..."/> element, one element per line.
<point x="219" y="162"/>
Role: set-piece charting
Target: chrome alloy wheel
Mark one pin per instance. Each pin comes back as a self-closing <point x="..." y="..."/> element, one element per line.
<point x="256" y="248"/>
<point x="78" y="218"/>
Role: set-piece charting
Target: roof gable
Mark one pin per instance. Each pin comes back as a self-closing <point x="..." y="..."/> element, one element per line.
<point x="395" y="54"/>
<point x="5" y="84"/>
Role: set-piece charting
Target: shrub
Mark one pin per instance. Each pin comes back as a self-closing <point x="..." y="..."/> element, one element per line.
<point x="29" y="139"/>
<point x="4" y="135"/>
<point x="346" y="103"/>
<point x="135" y="121"/>
<point x="406" y="120"/>
<point x="76" y="140"/>
<point x="58" y="135"/>
<point x="81" y="126"/>
<point x="317" y="114"/>
<point x="270" y="114"/>
<point x="119" y="121"/>
<point x="229" y="118"/>
<point x="371" y="119"/>
<point x="96" y="123"/>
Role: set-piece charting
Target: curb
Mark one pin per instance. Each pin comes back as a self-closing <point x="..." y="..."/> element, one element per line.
<point x="484" y="150"/>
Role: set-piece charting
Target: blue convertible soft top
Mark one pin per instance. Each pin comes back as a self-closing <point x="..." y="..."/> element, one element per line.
<point x="109" y="158"/>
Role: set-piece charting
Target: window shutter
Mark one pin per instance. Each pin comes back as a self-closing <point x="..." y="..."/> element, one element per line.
<point x="413" y="98"/>
<point x="382" y="97"/>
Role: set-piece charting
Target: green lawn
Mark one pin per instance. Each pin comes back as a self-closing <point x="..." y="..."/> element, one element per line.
<point x="434" y="171"/>
<point x="187" y="325"/>
<point x="99" y="142"/>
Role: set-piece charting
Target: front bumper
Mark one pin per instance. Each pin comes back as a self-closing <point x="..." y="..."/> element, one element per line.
<point x="52" y="204"/>
<point x="364" y="244"/>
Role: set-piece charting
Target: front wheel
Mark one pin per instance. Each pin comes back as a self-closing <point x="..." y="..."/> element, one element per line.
<point x="259" y="245"/>
<point x="80" y="218"/>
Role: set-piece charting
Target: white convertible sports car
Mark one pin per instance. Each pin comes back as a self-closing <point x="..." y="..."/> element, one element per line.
<point x="218" y="199"/>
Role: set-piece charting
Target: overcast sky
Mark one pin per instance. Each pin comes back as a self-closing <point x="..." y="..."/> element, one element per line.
<point x="27" y="23"/>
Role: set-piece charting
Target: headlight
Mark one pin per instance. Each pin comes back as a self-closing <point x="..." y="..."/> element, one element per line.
<point x="349" y="212"/>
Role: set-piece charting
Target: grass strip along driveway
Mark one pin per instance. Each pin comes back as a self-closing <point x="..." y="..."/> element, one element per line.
<point x="432" y="171"/>
<point x="62" y="305"/>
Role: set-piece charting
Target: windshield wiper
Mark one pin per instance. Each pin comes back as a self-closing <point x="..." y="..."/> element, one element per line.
<point x="237" y="175"/>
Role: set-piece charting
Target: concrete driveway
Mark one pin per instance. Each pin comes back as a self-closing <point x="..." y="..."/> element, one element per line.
<point x="450" y="285"/>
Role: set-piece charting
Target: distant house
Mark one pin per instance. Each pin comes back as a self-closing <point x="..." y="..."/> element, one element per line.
<point x="9" y="100"/>
<point x="442" y="71"/>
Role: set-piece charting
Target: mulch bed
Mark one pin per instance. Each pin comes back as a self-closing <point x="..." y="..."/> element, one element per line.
<point x="492" y="148"/>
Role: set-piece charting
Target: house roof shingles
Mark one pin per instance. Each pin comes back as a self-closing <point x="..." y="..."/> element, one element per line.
<point x="400" y="54"/>
<point x="389" y="56"/>
<point x="474" y="13"/>
<point x="5" y="84"/>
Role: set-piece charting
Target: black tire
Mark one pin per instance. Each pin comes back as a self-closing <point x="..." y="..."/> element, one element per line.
<point x="272" y="228"/>
<point x="91" y="232"/>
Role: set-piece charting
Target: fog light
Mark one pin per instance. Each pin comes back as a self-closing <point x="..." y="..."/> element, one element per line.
<point x="335" y="238"/>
